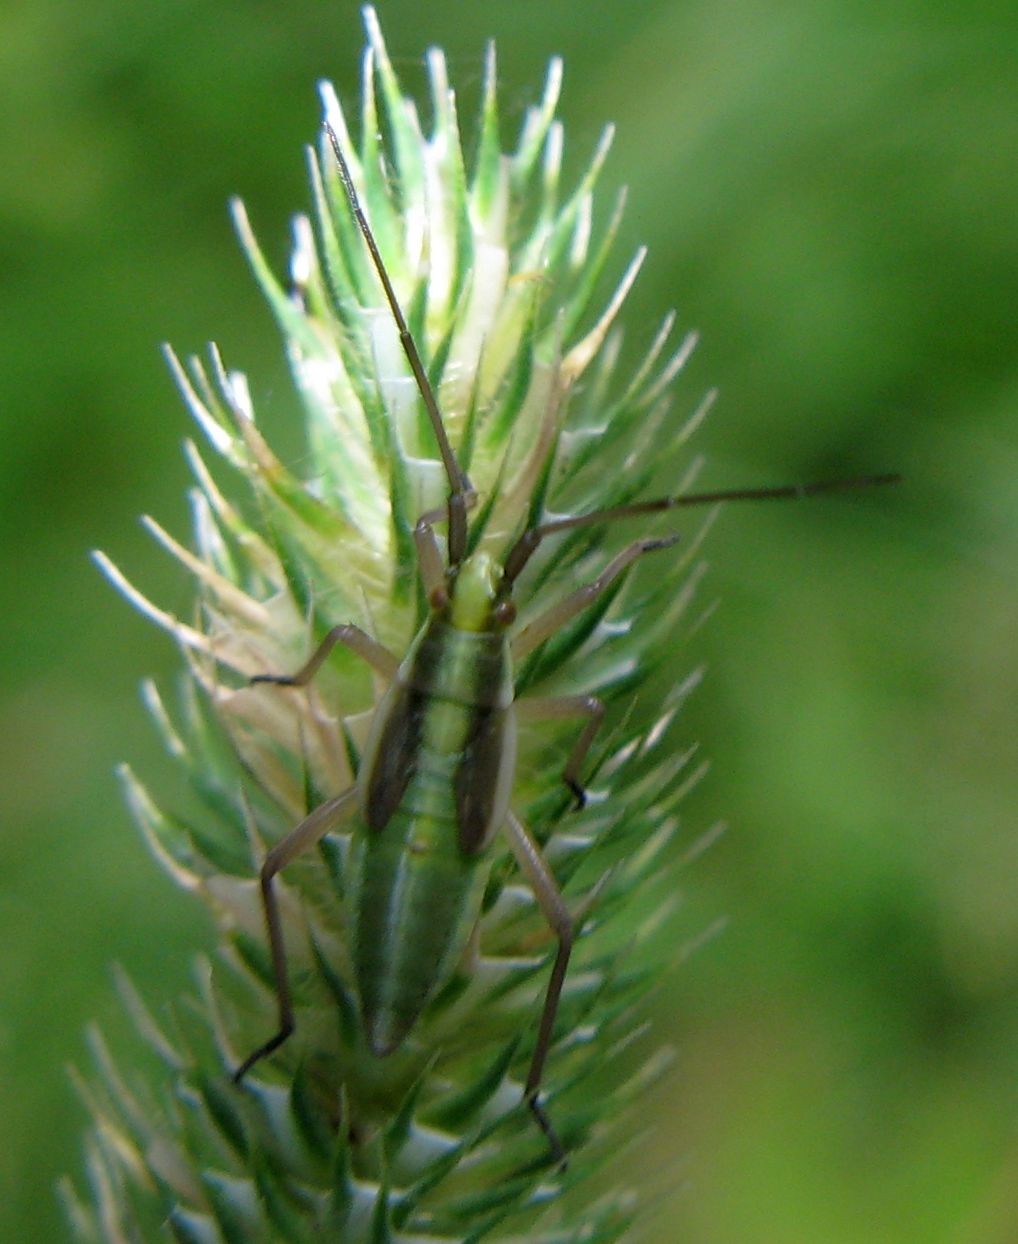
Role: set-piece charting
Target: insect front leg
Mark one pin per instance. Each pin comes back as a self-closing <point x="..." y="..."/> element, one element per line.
<point x="548" y="708"/>
<point x="370" y="650"/>
<point x="552" y="904"/>
<point x="553" y="619"/>
<point x="432" y="568"/>
<point x="311" y="830"/>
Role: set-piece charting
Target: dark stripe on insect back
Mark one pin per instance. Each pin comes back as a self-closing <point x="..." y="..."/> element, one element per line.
<point x="477" y="779"/>
<point x="478" y="772"/>
<point x="395" y="757"/>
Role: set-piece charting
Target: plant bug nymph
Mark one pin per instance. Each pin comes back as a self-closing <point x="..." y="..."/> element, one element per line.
<point x="436" y="777"/>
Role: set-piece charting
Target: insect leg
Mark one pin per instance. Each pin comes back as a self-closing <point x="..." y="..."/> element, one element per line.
<point x="550" y="900"/>
<point x="350" y="636"/>
<point x="548" y="708"/>
<point x="546" y="624"/>
<point x="313" y="828"/>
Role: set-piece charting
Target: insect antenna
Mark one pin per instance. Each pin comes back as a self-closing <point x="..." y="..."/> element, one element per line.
<point x="459" y="485"/>
<point x="528" y="543"/>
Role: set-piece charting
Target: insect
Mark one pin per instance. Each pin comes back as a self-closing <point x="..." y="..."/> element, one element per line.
<point x="436" y="777"/>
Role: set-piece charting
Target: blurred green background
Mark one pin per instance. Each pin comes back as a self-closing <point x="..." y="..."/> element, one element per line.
<point x="830" y="194"/>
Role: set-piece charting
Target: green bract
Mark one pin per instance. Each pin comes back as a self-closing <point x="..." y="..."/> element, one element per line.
<point x="497" y="271"/>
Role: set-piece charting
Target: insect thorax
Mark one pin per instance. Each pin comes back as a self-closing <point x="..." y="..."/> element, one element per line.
<point x="473" y="594"/>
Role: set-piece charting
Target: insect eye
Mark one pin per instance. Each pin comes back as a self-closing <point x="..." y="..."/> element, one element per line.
<point x="505" y="613"/>
<point x="439" y="599"/>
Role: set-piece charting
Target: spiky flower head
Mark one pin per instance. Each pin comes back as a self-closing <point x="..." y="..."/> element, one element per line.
<point x="497" y="271"/>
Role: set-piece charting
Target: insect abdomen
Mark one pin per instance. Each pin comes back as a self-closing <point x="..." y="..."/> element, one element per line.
<point x="417" y="895"/>
<point x="419" y="866"/>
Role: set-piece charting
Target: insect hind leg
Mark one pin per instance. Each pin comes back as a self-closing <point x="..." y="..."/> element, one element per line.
<point x="312" y="829"/>
<point x="552" y="904"/>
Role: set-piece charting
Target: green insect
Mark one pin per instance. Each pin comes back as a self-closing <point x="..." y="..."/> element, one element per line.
<point x="435" y="781"/>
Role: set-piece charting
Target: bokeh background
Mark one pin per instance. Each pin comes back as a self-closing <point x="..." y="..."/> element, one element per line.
<point x="830" y="194"/>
